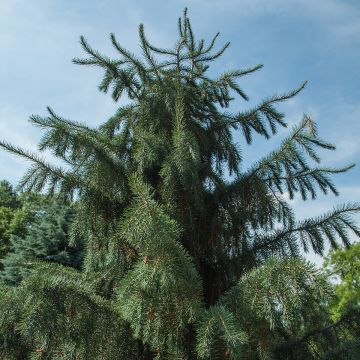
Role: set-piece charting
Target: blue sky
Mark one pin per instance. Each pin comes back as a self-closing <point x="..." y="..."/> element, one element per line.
<point x="296" y="40"/>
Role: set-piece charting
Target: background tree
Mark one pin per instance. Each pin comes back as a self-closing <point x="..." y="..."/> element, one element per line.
<point x="46" y="236"/>
<point x="12" y="219"/>
<point x="187" y="254"/>
<point x="344" y="266"/>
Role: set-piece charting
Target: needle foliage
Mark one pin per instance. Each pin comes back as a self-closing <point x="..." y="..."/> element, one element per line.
<point x="188" y="254"/>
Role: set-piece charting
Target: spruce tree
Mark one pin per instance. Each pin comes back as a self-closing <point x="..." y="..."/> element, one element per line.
<point x="188" y="256"/>
<point x="46" y="236"/>
<point x="12" y="219"/>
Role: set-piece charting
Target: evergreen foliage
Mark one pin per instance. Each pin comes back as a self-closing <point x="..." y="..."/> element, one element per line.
<point x="10" y="218"/>
<point x="181" y="261"/>
<point x="46" y="236"/>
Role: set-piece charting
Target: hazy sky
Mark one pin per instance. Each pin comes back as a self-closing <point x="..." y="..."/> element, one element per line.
<point x="296" y="40"/>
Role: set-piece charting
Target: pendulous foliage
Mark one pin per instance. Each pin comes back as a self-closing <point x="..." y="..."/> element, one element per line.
<point x="187" y="254"/>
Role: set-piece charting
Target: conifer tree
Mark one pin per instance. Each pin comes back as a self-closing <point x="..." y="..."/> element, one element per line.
<point x="12" y="219"/>
<point x="46" y="236"/>
<point x="182" y="261"/>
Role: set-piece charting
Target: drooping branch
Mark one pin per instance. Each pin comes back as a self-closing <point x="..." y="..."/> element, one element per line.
<point x="310" y="233"/>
